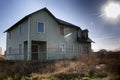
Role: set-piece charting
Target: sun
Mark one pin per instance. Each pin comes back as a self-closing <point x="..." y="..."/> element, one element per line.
<point x="112" y="10"/>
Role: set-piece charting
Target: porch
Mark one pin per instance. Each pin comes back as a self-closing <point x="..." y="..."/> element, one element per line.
<point x="38" y="51"/>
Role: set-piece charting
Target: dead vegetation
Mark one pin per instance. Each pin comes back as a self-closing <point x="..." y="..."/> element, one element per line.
<point x="2" y="58"/>
<point x="86" y="67"/>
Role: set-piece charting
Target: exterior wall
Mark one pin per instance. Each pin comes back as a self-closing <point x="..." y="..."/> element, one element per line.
<point x="16" y="39"/>
<point x="53" y="37"/>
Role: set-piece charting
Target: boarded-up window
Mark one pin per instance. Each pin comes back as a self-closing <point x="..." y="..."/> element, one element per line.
<point x="62" y="30"/>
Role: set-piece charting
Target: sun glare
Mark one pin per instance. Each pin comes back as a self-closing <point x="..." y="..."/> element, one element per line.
<point x="112" y="10"/>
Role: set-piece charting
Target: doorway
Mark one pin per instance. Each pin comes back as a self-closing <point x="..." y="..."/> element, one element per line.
<point x="35" y="51"/>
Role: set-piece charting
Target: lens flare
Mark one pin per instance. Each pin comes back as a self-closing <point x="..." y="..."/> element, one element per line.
<point x="112" y="10"/>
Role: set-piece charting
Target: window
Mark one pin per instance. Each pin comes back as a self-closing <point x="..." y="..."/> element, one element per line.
<point x="79" y="33"/>
<point x="62" y="30"/>
<point x="40" y="27"/>
<point x="62" y="48"/>
<point x="85" y="33"/>
<point x="9" y="50"/>
<point x="20" y="48"/>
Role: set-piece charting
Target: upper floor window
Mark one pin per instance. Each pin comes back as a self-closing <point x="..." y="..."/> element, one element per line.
<point x="85" y="33"/>
<point x="41" y="27"/>
<point x="62" y="30"/>
<point x="79" y="33"/>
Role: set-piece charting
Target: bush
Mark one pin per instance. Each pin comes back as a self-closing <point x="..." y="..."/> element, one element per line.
<point x="3" y="76"/>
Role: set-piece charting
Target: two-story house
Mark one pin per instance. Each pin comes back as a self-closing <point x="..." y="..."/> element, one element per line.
<point x="41" y="36"/>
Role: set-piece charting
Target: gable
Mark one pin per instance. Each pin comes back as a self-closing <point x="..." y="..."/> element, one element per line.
<point x="44" y="9"/>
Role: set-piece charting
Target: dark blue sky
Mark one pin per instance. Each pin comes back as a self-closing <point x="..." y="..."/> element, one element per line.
<point x="84" y="13"/>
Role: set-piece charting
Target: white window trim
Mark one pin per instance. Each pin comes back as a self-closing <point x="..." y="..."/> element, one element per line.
<point x="43" y="26"/>
<point x="62" y="52"/>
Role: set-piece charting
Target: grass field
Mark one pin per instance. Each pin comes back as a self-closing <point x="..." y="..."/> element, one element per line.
<point x="86" y="67"/>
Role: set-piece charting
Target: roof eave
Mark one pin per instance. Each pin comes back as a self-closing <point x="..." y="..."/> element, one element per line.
<point x="16" y="23"/>
<point x="57" y="20"/>
<point x="85" y="40"/>
<point x="25" y="18"/>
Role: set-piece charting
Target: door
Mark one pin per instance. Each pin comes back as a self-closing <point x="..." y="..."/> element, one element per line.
<point x="35" y="49"/>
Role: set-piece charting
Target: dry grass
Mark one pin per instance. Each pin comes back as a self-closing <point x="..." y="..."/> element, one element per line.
<point x="2" y="58"/>
<point x="86" y="66"/>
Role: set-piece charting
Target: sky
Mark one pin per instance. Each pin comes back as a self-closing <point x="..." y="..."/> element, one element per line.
<point x="84" y="13"/>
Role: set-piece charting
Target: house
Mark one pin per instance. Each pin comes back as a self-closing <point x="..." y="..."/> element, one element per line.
<point x="41" y="36"/>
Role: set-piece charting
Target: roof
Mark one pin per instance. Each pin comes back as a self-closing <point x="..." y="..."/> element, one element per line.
<point x="58" y="20"/>
<point x="66" y="23"/>
<point x="88" y="40"/>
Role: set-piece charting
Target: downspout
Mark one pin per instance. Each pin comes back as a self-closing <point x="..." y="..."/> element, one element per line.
<point x="29" y="41"/>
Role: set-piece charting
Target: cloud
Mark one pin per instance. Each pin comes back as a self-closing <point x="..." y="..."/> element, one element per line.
<point x="107" y="36"/>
